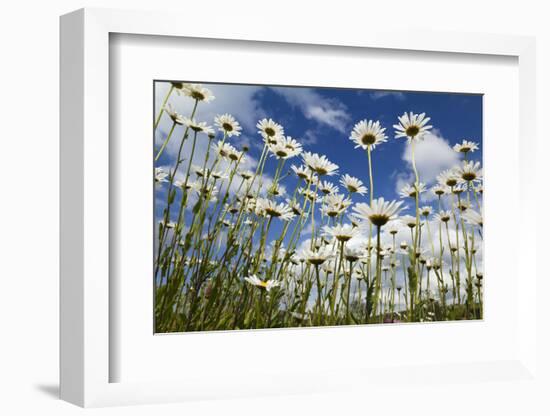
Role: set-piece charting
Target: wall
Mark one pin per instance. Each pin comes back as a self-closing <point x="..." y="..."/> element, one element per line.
<point x="29" y="205"/>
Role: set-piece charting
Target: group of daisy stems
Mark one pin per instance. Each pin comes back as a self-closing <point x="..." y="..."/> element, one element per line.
<point x="219" y="266"/>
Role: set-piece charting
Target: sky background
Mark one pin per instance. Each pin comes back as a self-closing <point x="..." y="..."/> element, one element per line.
<point x="322" y="120"/>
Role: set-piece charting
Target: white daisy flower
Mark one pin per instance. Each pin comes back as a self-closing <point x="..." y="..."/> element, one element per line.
<point x="277" y="190"/>
<point x="353" y="184"/>
<point x="327" y="188"/>
<point x="227" y="124"/>
<point x="270" y="130"/>
<point x="448" y="177"/>
<point x="308" y="194"/>
<point x="270" y="208"/>
<point x="301" y="172"/>
<point x="342" y="233"/>
<point x="426" y="211"/>
<point x="410" y="191"/>
<point x="295" y="206"/>
<point x="198" y="126"/>
<point x="197" y="92"/>
<point x="393" y="227"/>
<point x="267" y="285"/>
<point x="318" y="257"/>
<point x="335" y="205"/>
<point x="174" y="115"/>
<point x="160" y="176"/>
<point x="465" y="147"/>
<point x="478" y="189"/>
<point x="470" y="171"/>
<point x="319" y="164"/>
<point x="379" y="213"/>
<point x="440" y="190"/>
<point x="368" y="133"/>
<point x="443" y="216"/>
<point x="408" y="221"/>
<point x="353" y="253"/>
<point x="412" y="126"/>
<point x="285" y="148"/>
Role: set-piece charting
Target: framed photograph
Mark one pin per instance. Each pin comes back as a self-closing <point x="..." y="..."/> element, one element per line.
<point x="239" y="213"/>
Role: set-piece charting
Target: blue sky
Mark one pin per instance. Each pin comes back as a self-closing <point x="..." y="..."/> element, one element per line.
<point x="322" y="119"/>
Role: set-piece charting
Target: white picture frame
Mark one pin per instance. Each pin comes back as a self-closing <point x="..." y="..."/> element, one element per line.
<point x="85" y="354"/>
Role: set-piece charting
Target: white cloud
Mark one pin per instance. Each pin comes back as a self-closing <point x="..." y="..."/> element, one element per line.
<point x="382" y="94"/>
<point x="315" y="107"/>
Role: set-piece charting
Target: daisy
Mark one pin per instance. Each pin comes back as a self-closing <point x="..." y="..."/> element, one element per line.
<point x="410" y="191"/>
<point x="353" y="253"/>
<point x="342" y="233"/>
<point x="270" y="130"/>
<point x="478" y="189"/>
<point x="267" y="285"/>
<point x="281" y="151"/>
<point x="470" y="171"/>
<point x="473" y="217"/>
<point x="198" y="92"/>
<point x="246" y="174"/>
<point x="318" y="257"/>
<point x="301" y="172"/>
<point x="218" y="174"/>
<point x="295" y="207"/>
<point x="463" y="205"/>
<point x="272" y="209"/>
<point x="448" y="177"/>
<point x="227" y="124"/>
<point x="328" y="188"/>
<point x="198" y="126"/>
<point x="408" y="220"/>
<point x="404" y="245"/>
<point x="379" y="213"/>
<point x="368" y="133"/>
<point x="308" y="194"/>
<point x="353" y="185"/>
<point x="176" y="118"/>
<point x="223" y="149"/>
<point x="443" y="216"/>
<point x="277" y="190"/>
<point x="292" y="144"/>
<point x="412" y="126"/>
<point x="319" y="164"/>
<point x="335" y="205"/>
<point x="465" y="147"/>
<point x="439" y="190"/>
<point x="160" y="176"/>
<point x="426" y="211"/>
<point x="393" y="228"/>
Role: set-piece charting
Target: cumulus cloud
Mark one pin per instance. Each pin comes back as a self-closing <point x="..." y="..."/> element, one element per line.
<point x="327" y="112"/>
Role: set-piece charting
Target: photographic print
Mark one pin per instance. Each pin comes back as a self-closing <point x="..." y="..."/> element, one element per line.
<point x="290" y="206"/>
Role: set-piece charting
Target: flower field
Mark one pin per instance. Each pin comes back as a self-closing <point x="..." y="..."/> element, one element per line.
<point x="289" y="238"/>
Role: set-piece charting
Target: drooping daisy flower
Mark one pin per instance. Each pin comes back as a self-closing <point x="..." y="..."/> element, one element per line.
<point x="198" y="92"/>
<point x="473" y="217"/>
<point x="433" y="263"/>
<point x="327" y="188"/>
<point x="426" y="211"/>
<point x="379" y="213"/>
<point x="353" y="184"/>
<point x="272" y="209"/>
<point x="368" y="133"/>
<point x="198" y="126"/>
<point x="219" y="175"/>
<point x="470" y="171"/>
<point x="190" y="185"/>
<point x="465" y="147"/>
<point x="160" y="176"/>
<point x="342" y="233"/>
<point x="227" y="124"/>
<point x="246" y="174"/>
<point x="319" y="164"/>
<point x="176" y="118"/>
<point x="410" y="191"/>
<point x="318" y="257"/>
<point x="443" y="216"/>
<point x="270" y="130"/>
<point x="412" y="126"/>
<point x="267" y="285"/>
<point x="448" y="177"/>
